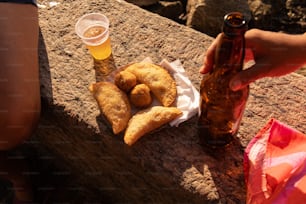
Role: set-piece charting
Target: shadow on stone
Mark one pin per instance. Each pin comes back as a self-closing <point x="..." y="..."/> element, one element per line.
<point x="104" y="67"/>
<point x="226" y="168"/>
<point x="44" y="70"/>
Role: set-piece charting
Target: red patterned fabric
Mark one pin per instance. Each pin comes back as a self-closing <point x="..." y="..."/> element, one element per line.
<point x="275" y="165"/>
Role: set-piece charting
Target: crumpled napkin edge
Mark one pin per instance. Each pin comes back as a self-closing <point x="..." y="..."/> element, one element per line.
<point x="184" y="87"/>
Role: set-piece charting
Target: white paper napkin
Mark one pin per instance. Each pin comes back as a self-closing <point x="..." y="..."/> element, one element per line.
<point x="188" y="97"/>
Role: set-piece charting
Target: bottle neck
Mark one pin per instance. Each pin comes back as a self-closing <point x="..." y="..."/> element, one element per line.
<point x="230" y="53"/>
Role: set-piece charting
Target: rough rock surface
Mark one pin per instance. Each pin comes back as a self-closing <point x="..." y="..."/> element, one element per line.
<point x="166" y="166"/>
<point x="206" y="15"/>
<point x="288" y="16"/>
<point x="143" y="2"/>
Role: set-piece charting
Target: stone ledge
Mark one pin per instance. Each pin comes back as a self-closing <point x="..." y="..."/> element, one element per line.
<point x="167" y="166"/>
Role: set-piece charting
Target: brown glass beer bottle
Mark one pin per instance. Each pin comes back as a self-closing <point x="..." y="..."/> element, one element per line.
<point x="222" y="108"/>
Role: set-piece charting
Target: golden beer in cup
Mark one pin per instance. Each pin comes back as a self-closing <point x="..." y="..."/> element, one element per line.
<point x="93" y="29"/>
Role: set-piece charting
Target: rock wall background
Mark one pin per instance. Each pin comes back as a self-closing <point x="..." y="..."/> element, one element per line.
<point x="206" y="16"/>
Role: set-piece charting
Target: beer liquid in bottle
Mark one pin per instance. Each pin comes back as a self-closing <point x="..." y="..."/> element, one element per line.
<point x="222" y="108"/>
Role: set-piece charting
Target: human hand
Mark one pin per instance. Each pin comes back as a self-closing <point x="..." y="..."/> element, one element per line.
<point x="275" y="54"/>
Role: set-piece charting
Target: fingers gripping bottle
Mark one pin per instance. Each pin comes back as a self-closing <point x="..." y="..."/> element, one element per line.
<point x="222" y="108"/>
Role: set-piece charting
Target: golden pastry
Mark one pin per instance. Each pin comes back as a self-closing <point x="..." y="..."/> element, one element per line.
<point x="125" y="80"/>
<point x="113" y="103"/>
<point x="160" y="82"/>
<point x="147" y="120"/>
<point x="140" y="96"/>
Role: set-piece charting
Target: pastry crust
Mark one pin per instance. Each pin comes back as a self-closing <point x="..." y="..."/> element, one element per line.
<point x="160" y="82"/>
<point x="125" y="80"/>
<point x="113" y="103"/>
<point x="147" y="120"/>
<point x="140" y="96"/>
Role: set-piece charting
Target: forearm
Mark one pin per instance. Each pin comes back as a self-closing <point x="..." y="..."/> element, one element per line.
<point x="296" y="45"/>
<point x="19" y="74"/>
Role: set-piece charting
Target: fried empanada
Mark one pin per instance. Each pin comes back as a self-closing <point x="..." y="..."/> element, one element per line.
<point x="113" y="103"/>
<point x="140" y="96"/>
<point x="161" y="83"/>
<point x="125" y="80"/>
<point x="147" y="120"/>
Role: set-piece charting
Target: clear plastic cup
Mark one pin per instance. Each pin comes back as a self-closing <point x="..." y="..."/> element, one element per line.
<point x="93" y="29"/>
